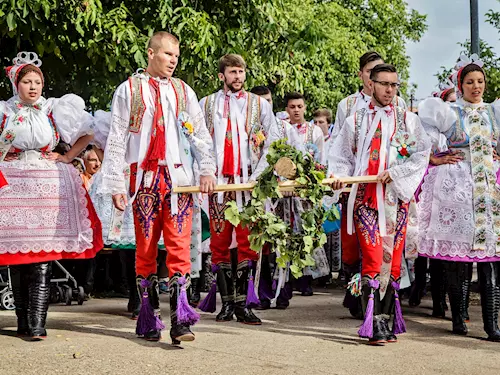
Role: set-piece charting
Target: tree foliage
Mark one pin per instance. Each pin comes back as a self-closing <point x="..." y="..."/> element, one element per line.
<point x="88" y="47"/>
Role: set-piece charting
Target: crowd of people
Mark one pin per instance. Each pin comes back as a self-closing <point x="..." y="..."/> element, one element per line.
<point x="436" y="196"/>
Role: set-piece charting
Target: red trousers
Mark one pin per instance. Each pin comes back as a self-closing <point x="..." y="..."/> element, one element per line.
<point x="367" y="229"/>
<point x="221" y="234"/>
<point x="348" y="242"/>
<point x="152" y="216"/>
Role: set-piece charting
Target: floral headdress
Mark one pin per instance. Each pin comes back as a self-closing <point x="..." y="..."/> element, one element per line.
<point x="20" y="61"/>
<point x="464" y="61"/>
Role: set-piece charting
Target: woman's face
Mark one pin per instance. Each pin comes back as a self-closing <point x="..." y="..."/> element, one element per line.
<point x="30" y="88"/>
<point x="473" y="87"/>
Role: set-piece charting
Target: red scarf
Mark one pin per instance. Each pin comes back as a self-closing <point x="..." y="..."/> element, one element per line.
<point x="157" y="145"/>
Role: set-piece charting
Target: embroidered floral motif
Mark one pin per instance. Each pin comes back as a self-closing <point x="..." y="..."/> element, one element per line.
<point x="405" y="144"/>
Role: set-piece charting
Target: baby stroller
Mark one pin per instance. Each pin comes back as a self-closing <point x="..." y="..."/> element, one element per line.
<point x="65" y="288"/>
<point x="6" y="295"/>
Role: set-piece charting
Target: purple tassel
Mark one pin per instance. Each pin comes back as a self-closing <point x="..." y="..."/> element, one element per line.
<point x="252" y="299"/>
<point x="275" y="284"/>
<point x="147" y="321"/>
<point x="209" y="304"/>
<point x="185" y="313"/>
<point x="399" y="322"/>
<point x="366" y="329"/>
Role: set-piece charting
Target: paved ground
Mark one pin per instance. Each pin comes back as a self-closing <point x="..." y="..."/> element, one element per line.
<point x="315" y="336"/>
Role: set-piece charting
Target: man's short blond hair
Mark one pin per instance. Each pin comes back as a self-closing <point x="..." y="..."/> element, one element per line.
<point x="155" y="41"/>
<point x="323" y="112"/>
<point x="231" y="60"/>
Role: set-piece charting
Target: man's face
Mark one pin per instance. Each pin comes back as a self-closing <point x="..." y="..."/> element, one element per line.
<point x="268" y="97"/>
<point x="322" y="123"/>
<point x="164" y="61"/>
<point x="92" y="163"/>
<point x="296" y="108"/>
<point x="384" y="87"/>
<point x="364" y="74"/>
<point x="233" y="78"/>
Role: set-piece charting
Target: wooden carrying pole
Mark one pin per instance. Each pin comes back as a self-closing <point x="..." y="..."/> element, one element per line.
<point x="286" y="184"/>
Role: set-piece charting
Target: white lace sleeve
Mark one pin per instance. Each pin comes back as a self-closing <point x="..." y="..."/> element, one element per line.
<point x="201" y="140"/>
<point x="496" y="111"/>
<point x="272" y="130"/>
<point x="339" y="118"/>
<point x="72" y="121"/>
<point x="113" y="179"/>
<point x="408" y="175"/>
<point x="102" y="122"/>
<point x="341" y="156"/>
<point x="319" y="141"/>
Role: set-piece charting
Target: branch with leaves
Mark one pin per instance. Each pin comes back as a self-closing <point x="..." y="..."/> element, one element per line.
<point x="293" y="247"/>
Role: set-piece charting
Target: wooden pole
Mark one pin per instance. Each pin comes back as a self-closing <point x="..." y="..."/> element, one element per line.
<point x="286" y="184"/>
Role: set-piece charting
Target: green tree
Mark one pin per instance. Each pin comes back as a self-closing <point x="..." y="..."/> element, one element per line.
<point x="88" y="47"/>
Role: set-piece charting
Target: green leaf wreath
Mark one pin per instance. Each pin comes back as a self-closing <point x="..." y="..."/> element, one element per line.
<point x="295" y="248"/>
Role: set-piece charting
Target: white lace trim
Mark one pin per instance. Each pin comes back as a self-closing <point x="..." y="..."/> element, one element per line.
<point x="44" y="209"/>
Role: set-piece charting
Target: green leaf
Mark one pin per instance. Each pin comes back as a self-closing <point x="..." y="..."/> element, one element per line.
<point x="11" y="23"/>
<point x="232" y="213"/>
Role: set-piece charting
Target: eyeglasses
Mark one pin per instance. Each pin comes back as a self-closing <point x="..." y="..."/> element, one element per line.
<point x="393" y="85"/>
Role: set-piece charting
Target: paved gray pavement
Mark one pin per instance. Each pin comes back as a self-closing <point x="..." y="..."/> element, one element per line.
<point x="314" y="336"/>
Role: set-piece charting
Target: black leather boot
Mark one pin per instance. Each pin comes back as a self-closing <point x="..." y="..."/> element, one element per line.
<point x="225" y="282"/>
<point x="387" y="305"/>
<point x="455" y="276"/>
<point x="351" y="302"/>
<point x="134" y="298"/>
<point x="379" y="337"/>
<point x="490" y="298"/>
<point x="20" y="290"/>
<point x="179" y="331"/>
<point x="151" y="331"/>
<point x="417" y="290"/>
<point x="438" y="288"/>
<point x="195" y="292"/>
<point x="466" y="285"/>
<point x="38" y="304"/>
<point x="244" y="314"/>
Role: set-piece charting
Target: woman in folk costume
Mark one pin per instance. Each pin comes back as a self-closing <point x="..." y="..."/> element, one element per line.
<point x="158" y="128"/>
<point x="459" y="207"/>
<point x="386" y="141"/>
<point x="56" y="219"/>
<point x="440" y="155"/>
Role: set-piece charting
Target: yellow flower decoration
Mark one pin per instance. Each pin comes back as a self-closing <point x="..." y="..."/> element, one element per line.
<point x="189" y="127"/>
<point x="259" y="137"/>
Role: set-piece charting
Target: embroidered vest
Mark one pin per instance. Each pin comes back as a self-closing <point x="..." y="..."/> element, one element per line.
<point x="138" y="107"/>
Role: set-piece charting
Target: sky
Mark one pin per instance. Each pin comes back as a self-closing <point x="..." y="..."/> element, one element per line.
<point x="448" y="23"/>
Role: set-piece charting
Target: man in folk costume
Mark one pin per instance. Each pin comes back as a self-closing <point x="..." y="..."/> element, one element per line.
<point x="347" y="107"/>
<point x="243" y="127"/>
<point x="386" y="141"/>
<point x="156" y="122"/>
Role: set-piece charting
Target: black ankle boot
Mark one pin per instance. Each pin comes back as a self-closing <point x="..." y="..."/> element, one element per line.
<point x="38" y="304"/>
<point x="490" y="298"/>
<point x="244" y="314"/>
<point x="379" y="335"/>
<point x="180" y="331"/>
<point x="20" y="290"/>
<point x="466" y="285"/>
<point x="225" y="282"/>
<point x="387" y="307"/>
<point x="195" y="298"/>
<point x="455" y="275"/>
<point x="149" y="323"/>
<point x="438" y="288"/>
<point x="417" y="290"/>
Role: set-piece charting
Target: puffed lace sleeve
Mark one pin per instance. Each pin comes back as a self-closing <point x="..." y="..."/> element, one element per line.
<point x="71" y="119"/>
<point x="407" y="175"/>
<point x="341" y="158"/>
<point x="102" y="123"/>
<point x="201" y="141"/>
<point x="339" y="118"/>
<point x="496" y="111"/>
<point x="433" y="112"/>
<point x="113" y="178"/>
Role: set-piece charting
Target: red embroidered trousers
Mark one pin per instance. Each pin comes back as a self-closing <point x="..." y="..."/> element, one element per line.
<point x="152" y="217"/>
<point x="221" y="233"/>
